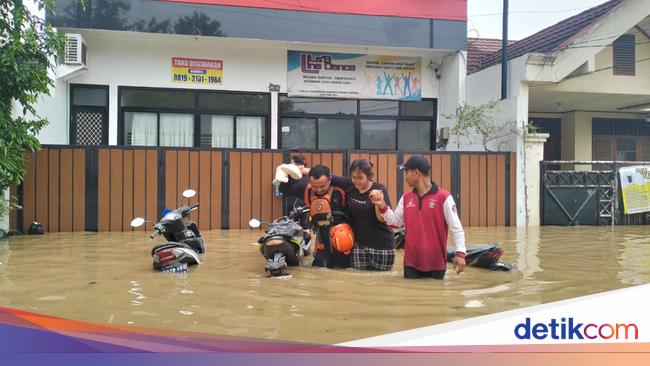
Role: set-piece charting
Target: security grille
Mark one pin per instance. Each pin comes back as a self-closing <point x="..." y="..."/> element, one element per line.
<point x="88" y="128"/>
<point x="578" y="197"/>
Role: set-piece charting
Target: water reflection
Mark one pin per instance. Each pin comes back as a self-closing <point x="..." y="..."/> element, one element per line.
<point x="245" y="22"/>
<point x="107" y="278"/>
<point x="634" y="254"/>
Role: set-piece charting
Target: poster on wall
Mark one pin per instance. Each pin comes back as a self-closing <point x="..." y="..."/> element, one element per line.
<point x="635" y="188"/>
<point x="346" y="75"/>
<point x="197" y="71"/>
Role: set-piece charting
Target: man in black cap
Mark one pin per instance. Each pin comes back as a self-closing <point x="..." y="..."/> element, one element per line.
<point x="427" y="213"/>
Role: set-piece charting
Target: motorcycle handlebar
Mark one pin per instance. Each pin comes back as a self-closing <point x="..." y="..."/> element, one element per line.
<point x="297" y="213"/>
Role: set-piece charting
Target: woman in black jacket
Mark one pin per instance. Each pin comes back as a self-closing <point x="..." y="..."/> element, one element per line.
<point x="375" y="241"/>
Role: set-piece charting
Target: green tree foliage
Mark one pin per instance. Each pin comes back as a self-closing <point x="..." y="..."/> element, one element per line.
<point x="482" y="123"/>
<point x="27" y="46"/>
<point x="199" y="24"/>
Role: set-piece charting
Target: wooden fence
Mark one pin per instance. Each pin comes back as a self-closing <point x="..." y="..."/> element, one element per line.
<point x="102" y="189"/>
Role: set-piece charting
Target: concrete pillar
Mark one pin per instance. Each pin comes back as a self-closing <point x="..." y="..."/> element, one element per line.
<point x="534" y="153"/>
<point x="274" y="120"/>
<point x="451" y="87"/>
<point x="576" y="138"/>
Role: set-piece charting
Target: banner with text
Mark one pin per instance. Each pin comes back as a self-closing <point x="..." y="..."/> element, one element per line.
<point x="197" y="71"/>
<point x="346" y="75"/>
<point x="635" y="188"/>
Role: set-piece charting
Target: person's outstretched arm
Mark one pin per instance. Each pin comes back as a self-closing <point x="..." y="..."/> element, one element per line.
<point x="392" y="218"/>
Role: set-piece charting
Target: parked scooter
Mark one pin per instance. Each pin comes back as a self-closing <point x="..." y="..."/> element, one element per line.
<point x="482" y="256"/>
<point x="284" y="243"/>
<point x="184" y="241"/>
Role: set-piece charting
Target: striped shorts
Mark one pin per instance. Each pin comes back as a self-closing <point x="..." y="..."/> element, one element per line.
<point x="370" y="259"/>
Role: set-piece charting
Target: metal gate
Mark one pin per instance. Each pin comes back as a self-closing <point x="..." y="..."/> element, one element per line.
<point x="573" y="195"/>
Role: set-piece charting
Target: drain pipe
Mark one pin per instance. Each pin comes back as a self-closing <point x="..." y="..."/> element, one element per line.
<point x="504" y="53"/>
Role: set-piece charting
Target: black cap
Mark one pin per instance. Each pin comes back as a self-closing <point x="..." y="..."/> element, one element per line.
<point x="417" y="162"/>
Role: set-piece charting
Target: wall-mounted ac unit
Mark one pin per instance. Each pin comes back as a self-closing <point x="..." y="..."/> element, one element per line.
<point x="75" y="50"/>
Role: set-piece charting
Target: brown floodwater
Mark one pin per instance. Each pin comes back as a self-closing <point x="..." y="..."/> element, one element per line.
<point x="107" y="278"/>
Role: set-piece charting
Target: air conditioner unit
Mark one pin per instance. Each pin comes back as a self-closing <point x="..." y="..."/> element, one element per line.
<point x="75" y="50"/>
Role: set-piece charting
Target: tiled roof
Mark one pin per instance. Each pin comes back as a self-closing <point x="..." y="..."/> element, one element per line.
<point x="479" y="48"/>
<point x="553" y="37"/>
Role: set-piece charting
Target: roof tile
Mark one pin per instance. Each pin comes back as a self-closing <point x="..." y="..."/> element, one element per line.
<point x="552" y="38"/>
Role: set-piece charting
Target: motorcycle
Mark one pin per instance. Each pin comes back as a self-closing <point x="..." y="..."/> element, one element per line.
<point x="482" y="256"/>
<point x="284" y="243"/>
<point x="184" y="241"/>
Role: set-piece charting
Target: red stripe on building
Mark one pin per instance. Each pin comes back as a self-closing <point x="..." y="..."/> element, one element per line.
<point x="428" y="9"/>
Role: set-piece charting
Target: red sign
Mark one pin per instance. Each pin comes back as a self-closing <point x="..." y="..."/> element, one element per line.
<point x="427" y="9"/>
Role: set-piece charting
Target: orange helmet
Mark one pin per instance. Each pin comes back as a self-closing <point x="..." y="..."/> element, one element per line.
<point x="342" y="238"/>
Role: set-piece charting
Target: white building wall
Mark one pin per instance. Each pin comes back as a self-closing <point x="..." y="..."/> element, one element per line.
<point x="55" y="108"/>
<point x="143" y="59"/>
<point x="452" y="85"/>
<point x="601" y="78"/>
<point x="484" y="86"/>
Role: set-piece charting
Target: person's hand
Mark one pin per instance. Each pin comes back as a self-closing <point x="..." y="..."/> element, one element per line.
<point x="459" y="264"/>
<point x="376" y="197"/>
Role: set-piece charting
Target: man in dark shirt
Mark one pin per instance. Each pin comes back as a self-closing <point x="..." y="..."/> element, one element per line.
<point x="320" y="187"/>
<point x="293" y="191"/>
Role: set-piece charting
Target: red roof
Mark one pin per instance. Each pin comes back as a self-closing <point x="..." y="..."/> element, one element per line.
<point x="427" y="9"/>
<point x="479" y="48"/>
<point x="554" y="37"/>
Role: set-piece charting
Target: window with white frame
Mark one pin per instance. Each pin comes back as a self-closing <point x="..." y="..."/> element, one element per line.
<point x="182" y="118"/>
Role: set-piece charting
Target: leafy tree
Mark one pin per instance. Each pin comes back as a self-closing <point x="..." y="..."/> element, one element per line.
<point x="198" y="24"/>
<point x="152" y="26"/>
<point x="27" y="46"/>
<point x="482" y="123"/>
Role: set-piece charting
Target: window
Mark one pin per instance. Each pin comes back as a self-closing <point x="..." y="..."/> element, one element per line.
<point x="317" y="106"/>
<point x="377" y="134"/>
<point x="299" y="133"/>
<point x="183" y="118"/>
<point x="624" y="55"/>
<point x="318" y="133"/>
<point x="314" y="123"/>
<point x="176" y="129"/>
<point x="626" y="149"/>
<point x="414" y="135"/>
<point x="217" y="131"/>
<point x="141" y="129"/>
<point x="245" y="103"/>
<point x="88" y="114"/>
<point x="335" y="133"/>
<point x="417" y="109"/>
<point x="379" y="107"/>
<point x="620" y="139"/>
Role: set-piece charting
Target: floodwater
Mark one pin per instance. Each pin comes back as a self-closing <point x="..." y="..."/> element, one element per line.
<point x="107" y="278"/>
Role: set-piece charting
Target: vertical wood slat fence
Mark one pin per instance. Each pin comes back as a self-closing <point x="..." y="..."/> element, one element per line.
<point x="70" y="189"/>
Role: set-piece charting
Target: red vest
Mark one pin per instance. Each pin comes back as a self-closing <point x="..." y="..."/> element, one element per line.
<point x="425" y="246"/>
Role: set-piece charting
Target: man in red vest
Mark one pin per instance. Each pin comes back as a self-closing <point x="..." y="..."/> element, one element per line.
<point x="427" y="213"/>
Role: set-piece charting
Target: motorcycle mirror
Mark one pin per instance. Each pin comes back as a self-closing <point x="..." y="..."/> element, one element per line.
<point x="254" y="223"/>
<point x="137" y="222"/>
<point x="189" y="193"/>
